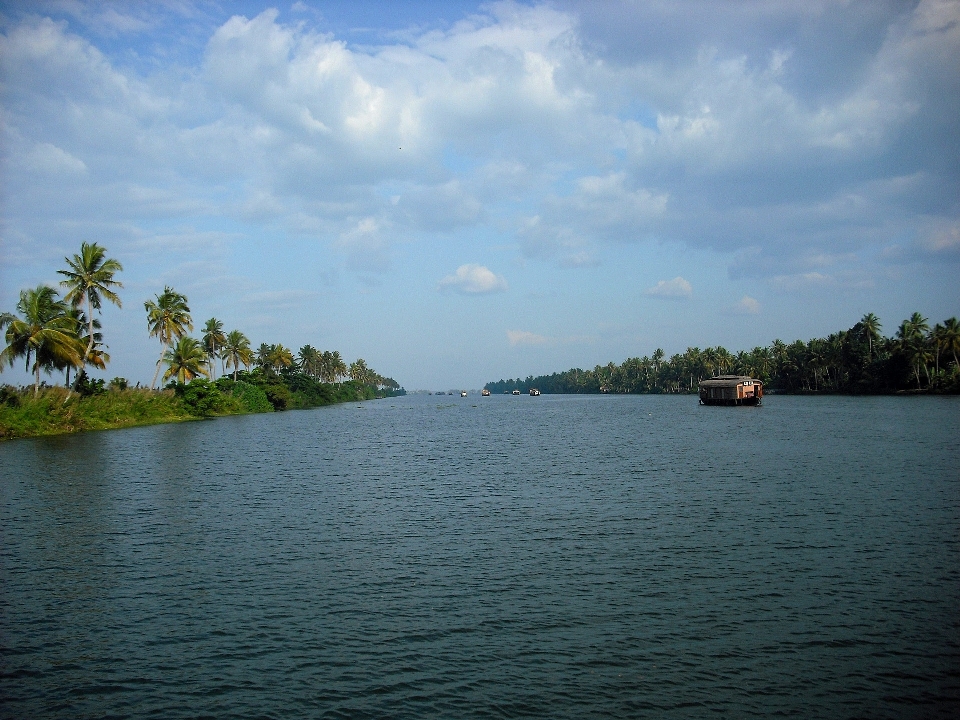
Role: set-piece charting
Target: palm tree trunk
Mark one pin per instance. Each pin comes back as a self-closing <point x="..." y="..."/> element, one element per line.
<point x="159" y="363"/>
<point x="89" y="329"/>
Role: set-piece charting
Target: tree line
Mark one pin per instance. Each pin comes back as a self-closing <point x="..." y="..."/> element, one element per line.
<point x="63" y="334"/>
<point x="859" y="360"/>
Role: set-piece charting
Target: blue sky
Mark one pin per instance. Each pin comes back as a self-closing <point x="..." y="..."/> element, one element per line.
<point x="460" y="192"/>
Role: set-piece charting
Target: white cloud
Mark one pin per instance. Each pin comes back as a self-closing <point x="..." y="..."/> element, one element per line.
<point x="365" y="246"/>
<point x="746" y="306"/>
<point x="49" y="159"/>
<point x="943" y="240"/>
<point x="473" y="279"/>
<point x="524" y="337"/>
<point x="676" y="289"/>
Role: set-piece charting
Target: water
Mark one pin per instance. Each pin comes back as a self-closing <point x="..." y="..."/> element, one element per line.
<point x="560" y="556"/>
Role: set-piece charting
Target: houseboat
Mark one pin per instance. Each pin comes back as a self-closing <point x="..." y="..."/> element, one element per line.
<point x="534" y="392"/>
<point x="485" y="392"/>
<point x="731" y="390"/>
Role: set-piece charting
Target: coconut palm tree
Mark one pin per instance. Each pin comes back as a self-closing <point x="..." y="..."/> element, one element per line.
<point x="950" y="337"/>
<point x="168" y="319"/>
<point x="870" y="327"/>
<point x="263" y="356"/>
<point x="236" y="350"/>
<point x="45" y="333"/>
<point x="279" y="357"/>
<point x="186" y="359"/>
<point x="359" y="372"/>
<point x="912" y="341"/>
<point x="310" y="361"/>
<point x="213" y="340"/>
<point x="335" y="366"/>
<point x="96" y="357"/>
<point x="89" y="280"/>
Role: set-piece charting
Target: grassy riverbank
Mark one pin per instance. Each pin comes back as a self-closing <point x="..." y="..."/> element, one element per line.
<point x="54" y="411"/>
<point x="51" y="412"/>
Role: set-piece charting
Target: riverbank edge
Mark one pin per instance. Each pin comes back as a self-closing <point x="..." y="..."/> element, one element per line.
<point x="56" y="412"/>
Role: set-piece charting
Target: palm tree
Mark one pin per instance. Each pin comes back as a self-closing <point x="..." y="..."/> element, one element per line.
<point x="334" y="366"/>
<point x="168" y="319"/>
<point x="89" y="279"/>
<point x="870" y="326"/>
<point x="236" y="350"/>
<point x="95" y="357"/>
<point x="911" y="339"/>
<point x="186" y="360"/>
<point x="950" y="337"/>
<point x="213" y="340"/>
<point x="359" y="372"/>
<point x="310" y="361"/>
<point x="279" y="357"/>
<point x="263" y="356"/>
<point x="46" y="333"/>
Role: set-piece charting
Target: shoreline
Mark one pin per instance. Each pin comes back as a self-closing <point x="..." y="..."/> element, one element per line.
<point x="53" y="412"/>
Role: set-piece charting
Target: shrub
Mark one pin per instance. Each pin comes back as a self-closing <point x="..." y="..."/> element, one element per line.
<point x="252" y="398"/>
<point x="86" y="387"/>
<point x="199" y="396"/>
<point x="278" y="394"/>
<point x="118" y="383"/>
<point x="9" y="396"/>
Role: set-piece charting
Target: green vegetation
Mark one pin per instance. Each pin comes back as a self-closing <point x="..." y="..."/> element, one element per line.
<point x="858" y="360"/>
<point x="49" y="412"/>
<point x="51" y="334"/>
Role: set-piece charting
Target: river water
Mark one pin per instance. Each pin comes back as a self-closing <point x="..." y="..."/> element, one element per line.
<point x="559" y="556"/>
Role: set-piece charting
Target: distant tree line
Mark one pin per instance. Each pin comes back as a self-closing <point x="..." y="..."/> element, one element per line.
<point x="859" y="360"/>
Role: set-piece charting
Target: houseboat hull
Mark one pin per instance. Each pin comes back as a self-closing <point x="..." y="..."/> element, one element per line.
<point x="731" y="390"/>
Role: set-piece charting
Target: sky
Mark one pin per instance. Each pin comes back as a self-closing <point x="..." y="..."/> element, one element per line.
<point x="460" y="192"/>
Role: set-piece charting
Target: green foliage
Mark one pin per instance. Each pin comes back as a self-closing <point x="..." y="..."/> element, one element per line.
<point x="202" y="398"/>
<point x="858" y="360"/>
<point x="252" y="399"/>
<point x="118" y="383"/>
<point x="51" y="412"/>
<point x="86" y="386"/>
<point x="9" y="396"/>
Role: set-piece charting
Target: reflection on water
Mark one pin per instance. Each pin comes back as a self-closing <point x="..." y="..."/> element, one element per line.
<point x="490" y="557"/>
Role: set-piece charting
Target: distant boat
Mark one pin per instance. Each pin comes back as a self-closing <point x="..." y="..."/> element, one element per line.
<point x="463" y="393"/>
<point x="516" y="392"/>
<point x="534" y="392"/>
<point x="485" y="392"/>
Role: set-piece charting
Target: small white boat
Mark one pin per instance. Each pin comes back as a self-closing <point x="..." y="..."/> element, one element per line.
<point x="485" y="392"/>
<point x="534" y="392"/>
<point x="463" y="393"/>
<point x="516" y="392"/>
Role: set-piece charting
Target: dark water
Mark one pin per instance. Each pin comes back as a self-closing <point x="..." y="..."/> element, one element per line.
<point x="490" y="557"/>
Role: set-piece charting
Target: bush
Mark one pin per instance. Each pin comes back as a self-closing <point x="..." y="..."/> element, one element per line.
<point x="200" y="397"/>
<point x="252" y="398"/>
<point x="118" y="383"/>
<point x="9" y="396"/>
<point x="86" y="387"/>
<point x="279" y="395"/>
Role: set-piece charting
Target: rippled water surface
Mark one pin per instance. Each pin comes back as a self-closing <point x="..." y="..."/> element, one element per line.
<point x="560" y="556"/>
